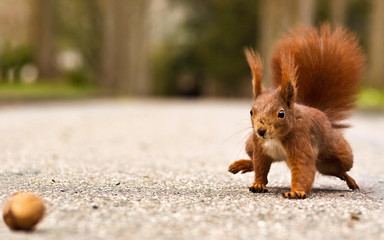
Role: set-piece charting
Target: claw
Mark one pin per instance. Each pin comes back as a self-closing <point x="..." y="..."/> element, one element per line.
<point x="295" y="195"/>
<point x="258" y="188"/>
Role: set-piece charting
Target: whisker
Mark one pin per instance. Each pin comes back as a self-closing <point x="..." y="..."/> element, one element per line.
<point x="240" y="131"/>
<point x="239" y="147"/>
<point x="242" y="147"/>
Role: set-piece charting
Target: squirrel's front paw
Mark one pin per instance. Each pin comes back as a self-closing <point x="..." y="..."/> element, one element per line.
<point x="241" y="165"/>
<point x="295" y="195"/>
<point x="258" y="188"/>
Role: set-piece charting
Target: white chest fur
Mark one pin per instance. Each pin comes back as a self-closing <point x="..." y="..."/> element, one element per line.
<point x="274" y="149"/>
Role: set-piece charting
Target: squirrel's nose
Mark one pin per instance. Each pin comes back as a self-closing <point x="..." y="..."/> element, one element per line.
<point x="261" y="132"/>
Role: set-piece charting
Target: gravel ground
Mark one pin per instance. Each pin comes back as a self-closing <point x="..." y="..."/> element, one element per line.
<point x="156" y="169"/>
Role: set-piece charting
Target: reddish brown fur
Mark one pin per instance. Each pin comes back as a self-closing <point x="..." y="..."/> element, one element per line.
<point x="315" y="75"/>
<point x="256" y="66"/>
<point x="330" y="64"/>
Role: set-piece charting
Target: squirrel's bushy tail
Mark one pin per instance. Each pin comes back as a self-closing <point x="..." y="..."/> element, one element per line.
<point x="329" y="68"/>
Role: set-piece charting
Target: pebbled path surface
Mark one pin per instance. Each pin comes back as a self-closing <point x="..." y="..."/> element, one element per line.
<point x="157" y="169"/>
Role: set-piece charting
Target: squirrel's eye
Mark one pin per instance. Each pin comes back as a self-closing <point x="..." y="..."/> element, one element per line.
<point x="250" y="112"/>
<point x="281" y="114"/>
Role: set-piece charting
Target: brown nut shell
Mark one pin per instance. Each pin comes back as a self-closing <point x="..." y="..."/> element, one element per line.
<point x="23" y="211"/>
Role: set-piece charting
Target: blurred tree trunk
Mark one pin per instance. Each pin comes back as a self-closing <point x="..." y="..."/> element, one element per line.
<point x="306" y="13"/>
<point x="112" y="51"/>
<point x="338" y="12"/>
<point x="124" y="46"/>
<point x="139" y="48"/>
<point x="277" y="17"/>
<point x="376" y="46"/>
<point x="42" y="34"/>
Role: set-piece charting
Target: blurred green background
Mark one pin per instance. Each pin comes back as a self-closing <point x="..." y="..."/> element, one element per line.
<point x="53" y="49"/>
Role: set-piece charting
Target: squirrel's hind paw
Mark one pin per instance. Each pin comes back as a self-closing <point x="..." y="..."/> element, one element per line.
<point x="295" y="195"/>
<point x="258" y="188"/>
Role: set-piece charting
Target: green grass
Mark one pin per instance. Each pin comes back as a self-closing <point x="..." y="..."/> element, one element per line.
<point x="43" y="91"/>
<point x="371" y="98"/>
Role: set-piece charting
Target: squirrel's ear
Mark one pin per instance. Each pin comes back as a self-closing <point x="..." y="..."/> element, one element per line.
<point x="288" y="79"/>
<point x="256" y="66"/>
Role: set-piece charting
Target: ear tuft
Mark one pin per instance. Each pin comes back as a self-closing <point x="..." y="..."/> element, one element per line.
<point x="256" y="66"/>
<point x="288" y="78"/>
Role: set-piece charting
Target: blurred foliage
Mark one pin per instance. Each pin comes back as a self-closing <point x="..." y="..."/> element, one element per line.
<point x="170" y="65"/>
<point x="212" y="54"/>
<point x="12" y="59"/>
<point x="212" y="51"/>
<point x="357" y="19"/>
<point x="78" y="78"/>
<point x="79" y="29"/>
<point x="203" y="57"/>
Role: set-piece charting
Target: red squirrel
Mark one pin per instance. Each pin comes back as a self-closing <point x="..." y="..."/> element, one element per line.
<point x="315" y="75"/>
